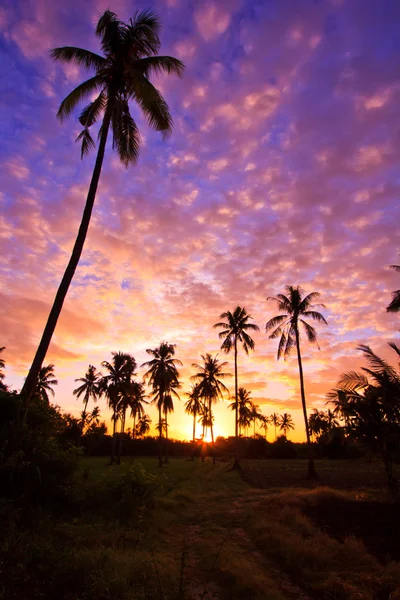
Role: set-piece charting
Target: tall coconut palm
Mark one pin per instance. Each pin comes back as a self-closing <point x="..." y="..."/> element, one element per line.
<point x="90" y="388"/>
<point x="45" y="383"/>
<point x="162" y="374"/>
<point x="234" y="331"/>
<point x="210" y="386"/>
<point x="274" y="420"/>
<point x="193" y="407"/>
<point x="296" y="308"/>
<point x="286" y="423"/>
<point x="394" y="305"/>
<point x="120" y="76"/>
<point x="119" y="370"/>
<point x="143" y="425"/>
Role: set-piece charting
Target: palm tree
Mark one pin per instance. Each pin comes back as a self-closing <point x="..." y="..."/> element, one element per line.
<point x="2" y="366"/>
<point x="209" y="385"/>
<point x="373" y="406"/>
<point x="286" y="326"/>
<point x="193" y="407"/>
<point x="274" y="420"/>
<point x="255" y="416"/>
<point x="143" y="425"/>
<point x="286" y="423"/>
<point x="127" y="390"/>
<point x="264" y="424"/>
<point x="243" y="407"/>
<point x="112" y="386"/>
<point x="120" y="76"/>
<point x="45" y="383"/>
<point x="90" y="388"/>
<point x="136" y="399"/>
<point x="234" y="330"/>
<point x="394" y="306"/>
<point x="161" y="375"/>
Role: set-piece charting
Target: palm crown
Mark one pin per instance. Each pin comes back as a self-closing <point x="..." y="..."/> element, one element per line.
<point x="235" y="328"/>
<point x="121" y="75"/>
<point x="295" y="307"/>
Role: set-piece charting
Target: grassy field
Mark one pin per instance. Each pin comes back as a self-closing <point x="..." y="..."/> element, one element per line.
<point x="194" y="531"/>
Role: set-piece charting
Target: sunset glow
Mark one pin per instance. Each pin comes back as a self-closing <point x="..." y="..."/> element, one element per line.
<point x="282" y="169"/>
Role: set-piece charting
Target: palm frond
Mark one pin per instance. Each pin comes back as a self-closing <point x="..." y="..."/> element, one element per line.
<point x="395" y="268"/>
<point x="87" y="142"/>
<point x="310" y="331"/>
<point x="159" y="65"/>
<point x="142" y="33"/>
<point x="78" y="94"/>
<point x="92" y="111"/>
<point x="281" y="345"/>
<point x="152" y="104"/>
<point x="378" y="363"/>
<point x="394" y="305"/>
<point x="81" y="57"/>
<point x="315" y="315"/>
<point x="125" y="133"/>
<point x="275" y="321"/>
<point x="351" y="381"/>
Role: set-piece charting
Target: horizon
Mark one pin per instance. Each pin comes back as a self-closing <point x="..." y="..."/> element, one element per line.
<point x="282" y="169"/>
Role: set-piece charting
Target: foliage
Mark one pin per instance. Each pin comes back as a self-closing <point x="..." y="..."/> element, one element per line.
<point x="370" y="403"/>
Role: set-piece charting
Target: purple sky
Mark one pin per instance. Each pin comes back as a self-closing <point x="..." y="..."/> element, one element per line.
<point x="283" y="168"/>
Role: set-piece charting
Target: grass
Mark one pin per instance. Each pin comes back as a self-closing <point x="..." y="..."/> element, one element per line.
<point x="194" y="531"/>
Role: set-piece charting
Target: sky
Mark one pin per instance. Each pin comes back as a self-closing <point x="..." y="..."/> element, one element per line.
<point x="282" y="169"/>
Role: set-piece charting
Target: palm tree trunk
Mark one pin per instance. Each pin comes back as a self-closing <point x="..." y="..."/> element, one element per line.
<point x="166" y="439"/>
<point x="84" y="415"/>
<point x="112" y="459"/>
<point x="159" y="436"/>
<point x="236" y="464"/>
<point x="121" y="437"/>
<point x="30" y="381"/>
<point x="212" y="434"/>
<point x="194" y="435"/>
<point x="311" y="467"/>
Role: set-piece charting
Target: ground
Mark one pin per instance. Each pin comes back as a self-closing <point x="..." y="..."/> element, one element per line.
<point x="208" y="532"/>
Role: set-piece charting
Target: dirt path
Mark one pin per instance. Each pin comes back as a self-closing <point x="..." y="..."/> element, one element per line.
<point x="219" y="561"/>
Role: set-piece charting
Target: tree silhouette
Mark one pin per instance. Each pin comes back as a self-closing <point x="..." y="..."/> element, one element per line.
<point x="90" y="388"/>
<point x="394" y="305"/>
<point x="209" y="386"/>
<point x="373" y="406"/>
<point x="162" y="375"/>
<point x="243" y="407"/>
<point x="286" y="423"/>
<point x="45" y="383"/>
<point x="120" y="76"/>
<point x="234" y="330"/>
<point x="287" y="327"/>
<point x="274" y="420"/>
<point x="193" y="407"/>
<point x="112" y="385"/>
<point x="143" y="425"/>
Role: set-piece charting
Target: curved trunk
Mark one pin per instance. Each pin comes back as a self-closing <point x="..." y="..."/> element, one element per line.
<point x="311" y="467"/>
<point x="30" y="381"/>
